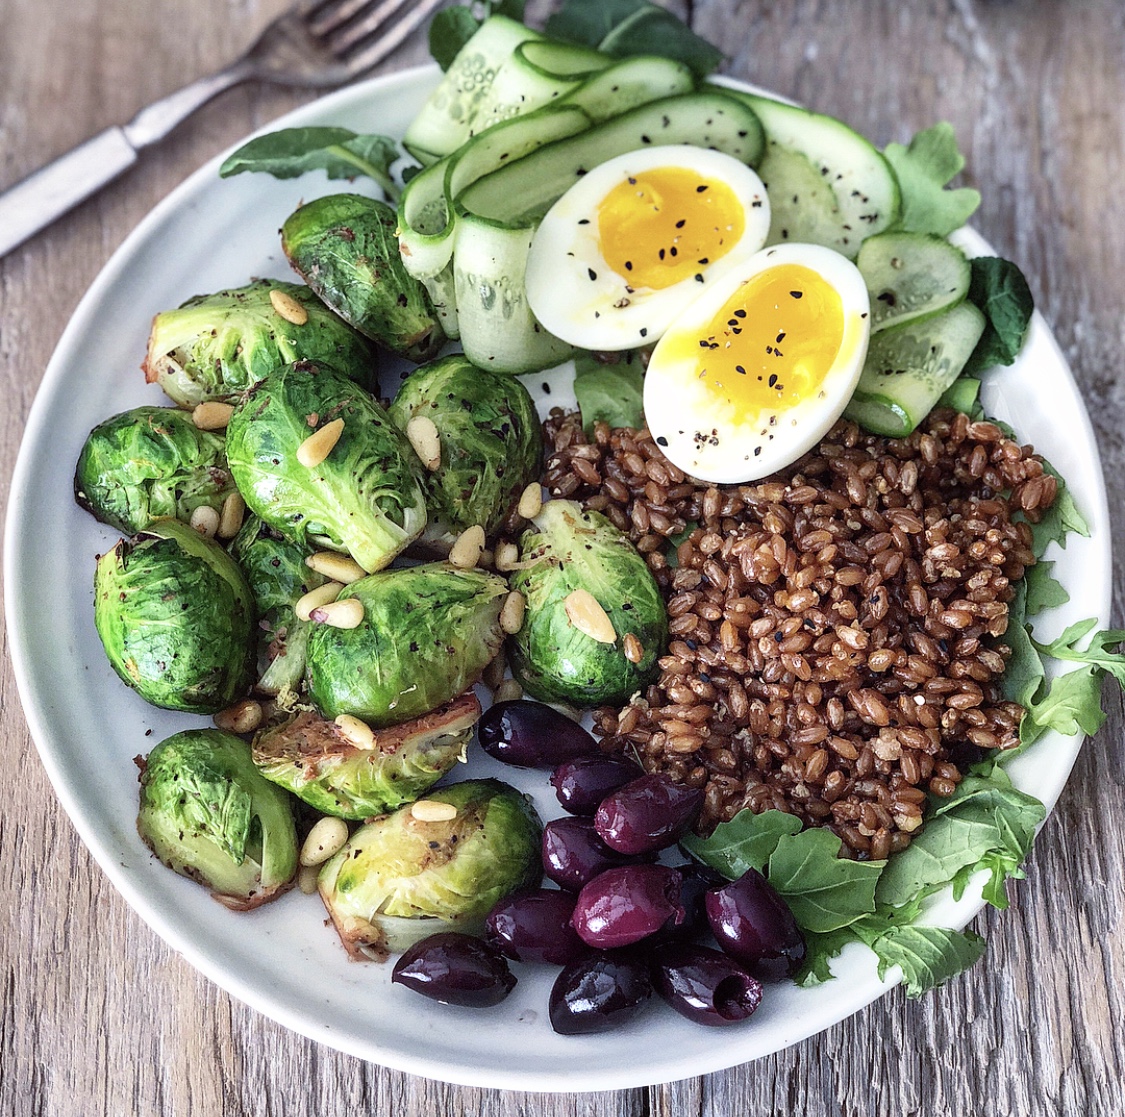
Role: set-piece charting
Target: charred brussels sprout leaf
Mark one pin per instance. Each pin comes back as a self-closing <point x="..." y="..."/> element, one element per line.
<point x="363" y="498"/>
<point x="215" y="346"/>
<point x="345" y="247"/>
<point x="148" y="463"/>
<point x="210" y="815"/>
<point x="570" y="550"/>
<point x="427" y="634"/>
<point x="399" y="879"/>
<point x="313" y="758"/>
<point x="491" y="446"/>
<point x="175" y="617"/>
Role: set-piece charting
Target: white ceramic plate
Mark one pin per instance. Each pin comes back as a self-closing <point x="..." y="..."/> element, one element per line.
<point x="210" y="234"/>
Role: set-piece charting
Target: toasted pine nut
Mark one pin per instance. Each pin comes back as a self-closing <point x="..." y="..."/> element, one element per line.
<point x="586" y="614"/>
<point x="422" y="433"/>
<point x="308" y="877"/>
<point x="531" y="501"/>
<point x="325" y="840"/>
<point x="211" y="415"/>
<point x="511" y="614"/>
<point x="431" y="810"/>
<point x="357" y="732"/>
<point x="242" y="717"/>
<point x="466" y="550"/>
<point x="288" y="307"/>
<point x="634" y="649"/>
<point x="231" y="517"/>
<point x="314" y="599"/>
<point x="205" y="520"/>
<point x="319" y="444"/>
<point x="340" y="568"/>
<point x="508" y="691"/>
<point x="507" y="555"/>
<point x="347" y="613"/>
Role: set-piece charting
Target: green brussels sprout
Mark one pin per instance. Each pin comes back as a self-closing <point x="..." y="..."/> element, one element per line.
<point x="400" y="878"/>
<point x="568" y="551"/>
<point x="427" y="634"/>
<point x="345" y="247"/>
<point x="317" y="761"/>
<point x="364" y="498"/>
<point x="491" y="445"/>
<point x="175" y="617"/>
<point x="210" y="815"/>
<point x="216" y="346"/>
<point x="148" y="463"/>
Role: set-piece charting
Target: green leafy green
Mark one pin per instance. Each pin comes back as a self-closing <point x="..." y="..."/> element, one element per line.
<point x="923" y="169"/>
<point x="745" y="842"/>
<point x="609" y="393"/>
<point x="1044" y="590"/>
<point x="1024" y="673"/>
<point x="451" y="28"/>
<point x="1096" y="653"/>
<point x="1000" y="290"/>
<point x="928" y="956"/>
<point x="1060" y="519"/>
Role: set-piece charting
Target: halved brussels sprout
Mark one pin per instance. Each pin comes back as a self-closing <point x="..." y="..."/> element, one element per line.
<point x="554" y="656"/>
<point x="491" y="445"/>
<point x="215" y="346"/>
<point x="210" y="815"/>
<point x="313" y="758"/>
<point x="364" y="497"/>
<point x="400" y="878"/>
<point x="427" y="634"/>
<point x="345" y="247"/>
<point x="147" y="463"/>
<point x="175" y="617"/>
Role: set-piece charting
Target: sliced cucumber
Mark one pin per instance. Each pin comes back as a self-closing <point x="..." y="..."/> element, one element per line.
<point x="911" y="276"/>
<point x="909" y="367"/>
<point x="628" y="83"/>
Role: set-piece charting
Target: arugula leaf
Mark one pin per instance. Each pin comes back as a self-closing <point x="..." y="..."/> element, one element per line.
<point x="611" y="393"/>
<point x="746" y="842"/>
<point x="1024" y="674"/>
<point x="1044" y="590"/>
<point x="1072" y="704"/>
<point x="923" y="169"/>
<point x="821" y="948"/>
<point x="624" y="28"/>
<point x="290" y="152"/>
<point x="1000" y="290"/>
<point x="1097" y="652"/>
<point x="451" y="28"/>
<point x="1059" y="520"/>
<point x="928" y="956"/>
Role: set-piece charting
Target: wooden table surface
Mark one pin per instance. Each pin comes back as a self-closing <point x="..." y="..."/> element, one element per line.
<point x="98" y="1016"/>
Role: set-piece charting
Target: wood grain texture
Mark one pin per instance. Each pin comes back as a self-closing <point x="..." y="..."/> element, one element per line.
<point x="98" y="1016"/>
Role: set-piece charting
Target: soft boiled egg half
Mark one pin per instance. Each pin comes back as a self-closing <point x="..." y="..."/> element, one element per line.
<point x="628" y="245"/>
<point x="754" y="372"/>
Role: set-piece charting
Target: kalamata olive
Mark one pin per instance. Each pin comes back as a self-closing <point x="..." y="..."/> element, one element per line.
<point x="703" y="984"/>
<point x="696" y="879"/>
<point x="532" y="735"/>
<point x="649" y="813"/>
<point x="601" y="991"/>
<point x="754" y="925"/>
<point x="581" y="784"/>
<point x="624" y="905"/>
<point x="455" y="969"/>
<point x="535" y="927"/>
<point x="574" y="854"/>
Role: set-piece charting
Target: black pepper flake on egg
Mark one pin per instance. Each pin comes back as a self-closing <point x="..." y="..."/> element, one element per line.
<point x="797" y="294"/>
<point x="644" y="331"/>
<point x="701" y="188"/>
<point x="591" y="273"/>
<point x="583" y="221"/>
<point x="661" y="440"/>
<point x="780" y="337"/>
<point x="681" y="223"/>
<point x="698" y="278"/>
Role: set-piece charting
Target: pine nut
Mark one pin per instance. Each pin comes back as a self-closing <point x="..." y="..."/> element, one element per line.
<point x="242" y="717"/>
<point x="340" y="568"/>
<point x="211" y="415"/>
<point x="355" y="732"/>
<point x="508" y="691"/>
<point x="422" y="434"/>
<point x="512" y="611"/>
<point x="634" y="649"/>
<point x="231" y="517"/>
<point x="308" y="877"/>
<point x="347" y="613"/>
<point x="466" y="551"/>
<point x="288" y="307"/>
<point x="586" y="614"/>
<point x="507" y="556"/>
<point x="431" y="810"/>
<point x="325" y="840"/>
<point x="531" y="501"/>
<point x="314" y="599"/>
<point x="205" y="520"/>
<point x="319" y="444"/>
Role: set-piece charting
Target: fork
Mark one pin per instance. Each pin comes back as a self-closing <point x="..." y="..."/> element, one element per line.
<point x="316" y="44"/>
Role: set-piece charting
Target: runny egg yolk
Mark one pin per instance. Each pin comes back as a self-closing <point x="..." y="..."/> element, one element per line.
<point x="659" y="227"/>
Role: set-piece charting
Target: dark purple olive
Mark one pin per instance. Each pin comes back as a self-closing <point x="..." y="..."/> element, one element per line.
<point x="647" y="814"/>
<point x="574" y="854"/>
<point x="455" y="969"/>
<point x="601" y="991"/>
<point x="535" y="927"/>
<point x="532" y="735"/>
<point x="622" y="906"/>
<point x="696" y="880"/>
<point x="703" y="984"/>
<point x="754" y="925"/>
<point x="581" y="784"/>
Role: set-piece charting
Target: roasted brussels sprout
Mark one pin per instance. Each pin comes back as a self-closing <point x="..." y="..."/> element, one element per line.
<point x="423" y="869"/>
<point x="427" y="634"/>
<point x="345" y="247"/>
<point x="324" y="765"/>
<point x="364" y="497"/>
<point x="175" y="617"/>
<point x="210" y="815"/>
<point x="215" y="346"/>
<point x="147" y="463"/>
<point x="587" y="591"/>
<point x="488" y="431"/>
